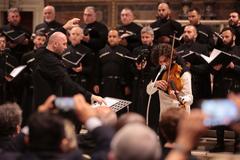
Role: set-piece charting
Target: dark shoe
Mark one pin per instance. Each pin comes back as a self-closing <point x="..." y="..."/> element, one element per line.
<point x="217" y="148"/>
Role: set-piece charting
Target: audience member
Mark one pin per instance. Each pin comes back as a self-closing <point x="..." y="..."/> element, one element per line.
<point x="10" y="126"/>
<point x="135" y="141"/>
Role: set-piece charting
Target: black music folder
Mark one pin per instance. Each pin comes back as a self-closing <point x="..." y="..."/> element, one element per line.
<point x="218" y="57"/>
<point x="125" y="34"/>
<point x="15" y="36"/>
<point x="72" y="58"/>
<point x="193" y="58"/>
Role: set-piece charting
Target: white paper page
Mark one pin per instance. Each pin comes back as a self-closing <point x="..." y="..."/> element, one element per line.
<point x="215" y="53"/>
<point x="208" y="59"/>
<point x="17" y="70"/>
<point x="110" y="101"/>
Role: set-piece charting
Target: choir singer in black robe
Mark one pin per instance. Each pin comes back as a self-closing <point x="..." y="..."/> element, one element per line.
<point x="201" y="85"/>
<point x="112" y="64"/>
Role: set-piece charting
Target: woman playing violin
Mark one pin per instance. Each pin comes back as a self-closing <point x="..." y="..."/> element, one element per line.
<point x="174" y="83"/>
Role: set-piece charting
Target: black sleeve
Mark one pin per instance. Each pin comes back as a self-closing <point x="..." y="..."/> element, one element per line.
<point x="58" y="74"/>
<point x="100" y="41"/>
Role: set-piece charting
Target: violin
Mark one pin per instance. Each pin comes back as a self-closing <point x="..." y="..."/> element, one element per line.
<point x="173" y="76"/>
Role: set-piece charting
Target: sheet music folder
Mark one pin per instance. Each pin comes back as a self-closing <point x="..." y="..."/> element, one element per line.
<point x="216" y="57"/>
<point x="194" y="58"/>
<point x="16" y="71"/>
<point x="15" y="36"/>
<point x="114" y="103"/>
<point x="72" y="58"/>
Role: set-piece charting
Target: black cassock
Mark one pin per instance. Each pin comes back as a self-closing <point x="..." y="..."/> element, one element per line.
<point x="16" y="35"/>
<point x="226" y="77"/>
<point x="201" y="84"/>
<point x="98" y="33"/>
<point x="7" y="64"/>
<point x="141" y="78"/>
<point x="47" y="27"/>
<point x="51" y="77"/>
<point x="134" y="38"/>
<point x="166" y="27"/>
<point x="85" y="77"/>
<point x="205" y="35"/>
<point x="112" y="71"/>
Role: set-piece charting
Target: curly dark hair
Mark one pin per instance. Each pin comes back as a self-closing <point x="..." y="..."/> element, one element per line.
<point x="162" y="49"/>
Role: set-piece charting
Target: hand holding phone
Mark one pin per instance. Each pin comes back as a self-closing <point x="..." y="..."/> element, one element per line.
<point x="64" y="103"/>
<point x="219" y="112"/>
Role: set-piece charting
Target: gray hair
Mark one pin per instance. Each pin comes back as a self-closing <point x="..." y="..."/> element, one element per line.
<point x="136" y="141"/>
<point x="147" y="29"/>
<point x="13" y="10"/>
<point x="10" y="118"/>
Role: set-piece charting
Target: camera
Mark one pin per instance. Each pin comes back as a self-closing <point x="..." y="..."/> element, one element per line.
<point x="143" y="56"/>
<point x="219" y="112"/>
<point x="64" y="103"/>
<point x="86" y="31"/>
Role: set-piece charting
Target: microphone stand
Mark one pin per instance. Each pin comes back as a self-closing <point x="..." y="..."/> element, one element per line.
<point x="163" y="67"/>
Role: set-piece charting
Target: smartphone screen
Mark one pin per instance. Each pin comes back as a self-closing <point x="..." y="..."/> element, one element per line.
<point x="219" y="112"/>
<point x="64" y="103"/>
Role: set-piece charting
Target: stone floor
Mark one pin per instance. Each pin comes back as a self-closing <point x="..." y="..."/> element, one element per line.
<point x="209" y="140"/>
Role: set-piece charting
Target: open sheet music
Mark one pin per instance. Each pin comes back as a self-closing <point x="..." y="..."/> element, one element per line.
<point x="114" y="103"/>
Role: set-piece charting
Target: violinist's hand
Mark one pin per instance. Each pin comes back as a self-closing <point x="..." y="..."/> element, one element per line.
<point x="161" y="84"/>
<point x="172" y="94"/>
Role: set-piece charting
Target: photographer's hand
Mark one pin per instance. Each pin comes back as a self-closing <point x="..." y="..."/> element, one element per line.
<point x="83" y="109"/>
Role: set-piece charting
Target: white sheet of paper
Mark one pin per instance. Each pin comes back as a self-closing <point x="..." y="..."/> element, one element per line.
<point x="110" y="101"/>
<point x="17" y="70"/>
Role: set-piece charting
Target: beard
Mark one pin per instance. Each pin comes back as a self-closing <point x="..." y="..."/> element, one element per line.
<point x="229" y="44"/>
<point x="187" y="39"/>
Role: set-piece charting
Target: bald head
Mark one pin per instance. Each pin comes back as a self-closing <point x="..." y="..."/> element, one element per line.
<point x="57" y="43"/>
<point x="49" y="13"/>
<point x="164" y="11"/>
<point x="135" y="141"/>
<point x="128" y="118"/>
